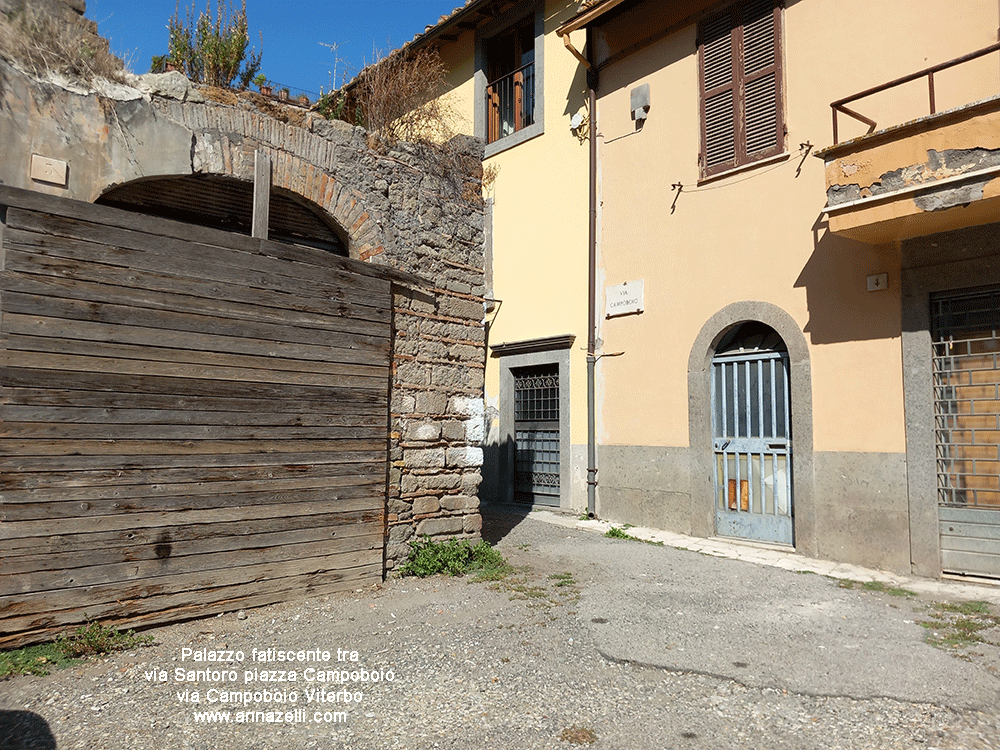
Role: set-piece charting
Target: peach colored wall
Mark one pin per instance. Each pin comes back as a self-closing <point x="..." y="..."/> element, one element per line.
<point x="759" y="234"/>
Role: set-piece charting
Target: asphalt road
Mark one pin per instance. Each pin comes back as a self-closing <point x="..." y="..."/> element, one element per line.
<point x="591" y="642"/>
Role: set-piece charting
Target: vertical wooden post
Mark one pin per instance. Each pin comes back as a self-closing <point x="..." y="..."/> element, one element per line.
<point x="261" y="192"/>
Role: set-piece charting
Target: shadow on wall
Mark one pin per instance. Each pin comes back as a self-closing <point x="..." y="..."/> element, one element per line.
<point x="23" y="730"/>
<point x="835" y="279"/>
<point x="500" y="515"/>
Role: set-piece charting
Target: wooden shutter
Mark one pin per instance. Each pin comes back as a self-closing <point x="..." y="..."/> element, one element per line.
<point x="740" y="75"/>
<point x="719" y="92"/>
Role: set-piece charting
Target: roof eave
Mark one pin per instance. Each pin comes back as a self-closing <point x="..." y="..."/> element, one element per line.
<point x="449" y="23"/>
<point x="586" y="17"/>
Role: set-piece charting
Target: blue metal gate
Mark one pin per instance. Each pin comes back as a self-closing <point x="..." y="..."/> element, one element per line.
<point x="752" y="444"/>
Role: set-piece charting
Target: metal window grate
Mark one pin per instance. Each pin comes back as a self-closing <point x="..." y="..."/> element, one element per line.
<point x="536" y="426"/>
<point x="966" y="371"/>
<point x="536" y="393"/>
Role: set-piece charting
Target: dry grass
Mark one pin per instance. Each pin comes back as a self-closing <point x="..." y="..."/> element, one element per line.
<point x="42" y="44"/>
<point x="400" y="98"/>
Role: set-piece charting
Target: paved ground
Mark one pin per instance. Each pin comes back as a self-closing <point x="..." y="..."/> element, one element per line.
<point x="627" y="644"/>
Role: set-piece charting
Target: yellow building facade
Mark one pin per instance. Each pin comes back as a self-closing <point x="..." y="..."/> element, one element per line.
<point x="786" y="349"/>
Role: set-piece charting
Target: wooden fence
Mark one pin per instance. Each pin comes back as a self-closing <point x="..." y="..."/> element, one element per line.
<point x="192" y="421"/>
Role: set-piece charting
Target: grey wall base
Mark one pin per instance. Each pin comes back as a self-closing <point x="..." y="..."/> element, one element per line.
<point x="860" y="501"/>
<point x="645" y="486"/>
<point x="862" y="514"/>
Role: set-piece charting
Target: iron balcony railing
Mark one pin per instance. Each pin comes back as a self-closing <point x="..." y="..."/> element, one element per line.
<point x="839" y="105"/>
<point x="510" y="103"/>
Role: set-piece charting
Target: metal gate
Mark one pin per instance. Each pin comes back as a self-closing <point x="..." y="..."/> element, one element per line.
<point x="966" y="345"/>
<point x="536" y="434"/>
<point x="752" y="437"/>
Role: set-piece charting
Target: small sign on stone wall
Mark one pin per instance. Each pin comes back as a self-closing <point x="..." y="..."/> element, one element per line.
<point x="624" y="299"/>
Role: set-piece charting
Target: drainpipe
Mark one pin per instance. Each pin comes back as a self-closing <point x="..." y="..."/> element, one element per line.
<point x="592" y="292"/>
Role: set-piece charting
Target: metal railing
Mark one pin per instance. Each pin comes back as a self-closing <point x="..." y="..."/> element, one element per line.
<point x="510" y="103"/>
<point x="839" y="105"/>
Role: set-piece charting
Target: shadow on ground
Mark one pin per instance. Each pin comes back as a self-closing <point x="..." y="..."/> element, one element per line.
<point x="499" y="519"/>
<point x="24" y="730"/>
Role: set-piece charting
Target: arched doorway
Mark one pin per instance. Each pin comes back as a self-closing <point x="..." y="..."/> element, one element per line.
<point x="752" y="435"/>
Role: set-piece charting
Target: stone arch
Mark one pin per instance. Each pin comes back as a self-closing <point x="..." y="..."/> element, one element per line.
<point x="315" y="162"/>
<point x="700" y="422"/>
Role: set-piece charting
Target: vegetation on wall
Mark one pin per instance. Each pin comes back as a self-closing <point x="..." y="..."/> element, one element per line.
<point x="42" y="44"/>
<point x="400" y="98"/>
<point x="211" y="48"/>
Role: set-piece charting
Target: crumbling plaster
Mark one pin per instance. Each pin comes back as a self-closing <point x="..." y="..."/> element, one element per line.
<point x="881" y="165"/>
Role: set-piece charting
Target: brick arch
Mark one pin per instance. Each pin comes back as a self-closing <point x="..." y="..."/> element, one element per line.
<point x="343" y="204"/>
<point x="317" y="160"/>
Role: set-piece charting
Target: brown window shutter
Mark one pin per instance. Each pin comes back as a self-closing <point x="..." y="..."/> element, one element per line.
<point x="719" y="78"/>
<point x="740" y="76"/>
<point x="761" y="79"/>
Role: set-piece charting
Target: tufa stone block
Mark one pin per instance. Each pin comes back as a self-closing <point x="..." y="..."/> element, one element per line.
<point x="462" y="458"/>
<point x="438" y="526"/>
<point x="472" y="524"/>
<point x="426" y="458"/>
<point x="423" y="506"/>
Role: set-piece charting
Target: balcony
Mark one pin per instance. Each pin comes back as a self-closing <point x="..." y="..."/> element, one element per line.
<point x="937" y="172"/>
<point x="510" y="103"/>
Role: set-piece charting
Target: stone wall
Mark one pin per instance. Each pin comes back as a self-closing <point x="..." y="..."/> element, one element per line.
<point x="401" y="207"/>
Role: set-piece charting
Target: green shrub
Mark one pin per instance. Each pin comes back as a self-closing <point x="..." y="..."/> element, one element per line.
<point x="92" y="639"/>
<point x="212" y="47"/>
<point x="454" y="557"/>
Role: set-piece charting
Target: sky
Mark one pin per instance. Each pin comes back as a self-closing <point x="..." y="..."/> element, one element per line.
<point x="293" y="33"/>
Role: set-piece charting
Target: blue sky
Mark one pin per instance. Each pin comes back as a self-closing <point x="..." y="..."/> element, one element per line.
<point x="293" y="32"/>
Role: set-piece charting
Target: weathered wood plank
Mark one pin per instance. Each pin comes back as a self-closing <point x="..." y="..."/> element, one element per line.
<point x="12" y="511"/>
<point x="66" y="262"/>
<point x="26" y="529"/>
<point x="239" y="265"/>
<point x="372" y="338"/>
<point x="305" y="529"/>
<point x="130" y="449"/>
<point x="260" y="551"/>
<point x="16" y="344"/>
<point x="261" y="193"/>
<point x="278" y="404"/>
<point x="87" y="596"/>
<point x="131" y="431"/>
<point x="187" y="344"/>
<point x="104" y="361"/>
<point x="138" y="543"/>
<point x="338" y="423"/>
<point x="19" y="377"/>
<point x="149" y="611"/>
<point x="122" y="482"/>
<point x="215" y="307"/>
<point x="84" y="469"/>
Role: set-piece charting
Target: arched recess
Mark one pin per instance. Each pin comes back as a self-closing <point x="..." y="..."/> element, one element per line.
<point x="226" y="203"/>
<point x="700" y="416"/>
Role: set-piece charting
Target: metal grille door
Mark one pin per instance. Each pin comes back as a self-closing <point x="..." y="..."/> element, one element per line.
<point x="536" y="429"/>
<point x="752" y="443"/>
<point x="967" y="429"/>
